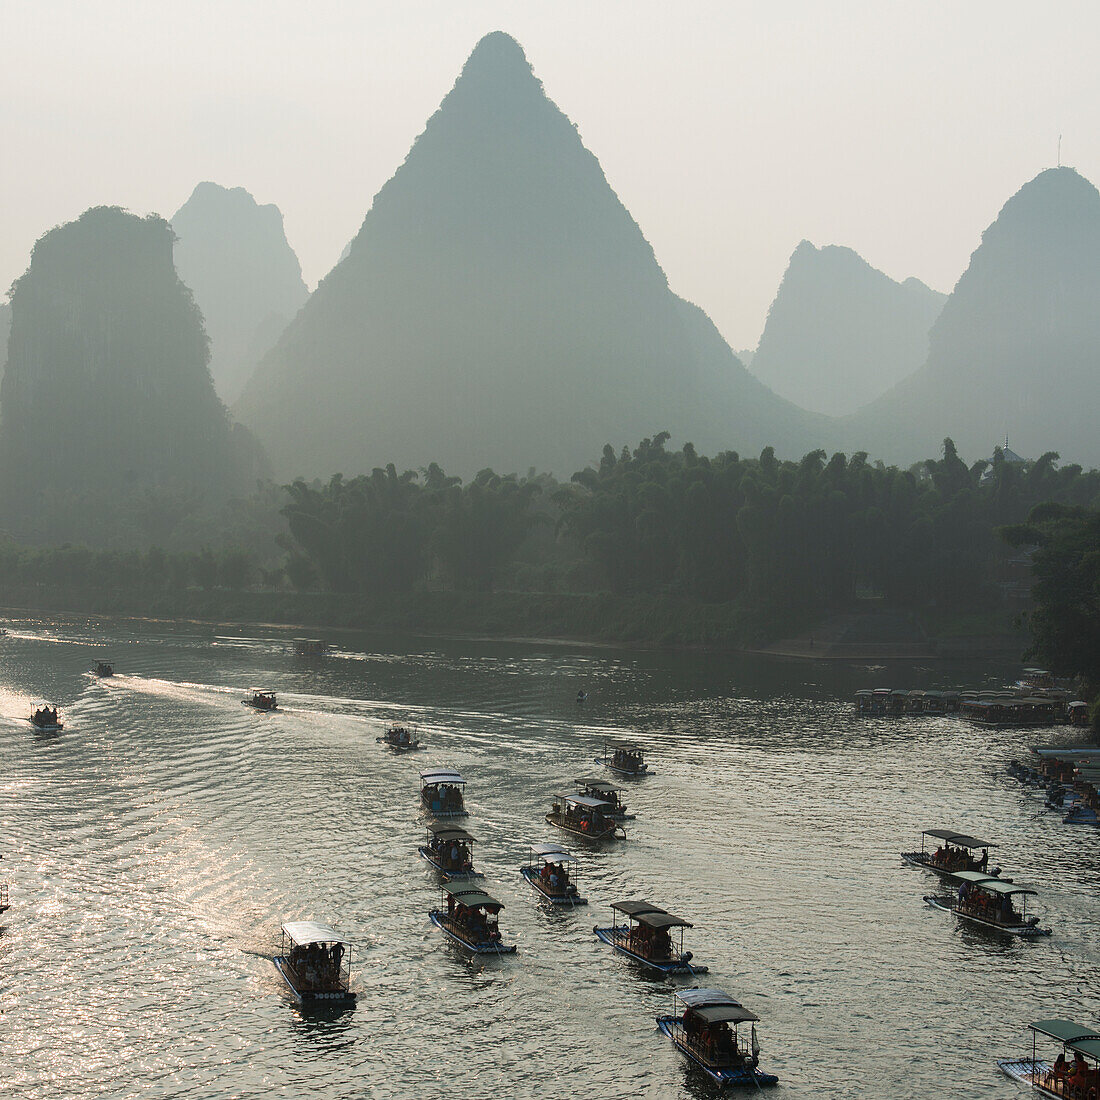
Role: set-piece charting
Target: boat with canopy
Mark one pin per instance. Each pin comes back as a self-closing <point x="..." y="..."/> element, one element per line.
<point x="987" y="901"/>
<point x="468" y="916"/>
<point x="315" y="962"/>
<point x="605" y="792"/>
<point x="261" y="700"/>
<point x="955" y="853"/>
<point x="646" y="936"/>
<point x="442" y="792"/>
<point x="45" y="717"/>
<point x="103" y="669"/>
<point x="706" y="1034"/>
<point x="623" y="758"/>
<point x="449" y="849"/>
<point x="310" y="647"/>
<point x="401" y="739"/>
<point x="552" y="871"/>
<point x="585" y="816"/>
<point x="1074" y="1074"/>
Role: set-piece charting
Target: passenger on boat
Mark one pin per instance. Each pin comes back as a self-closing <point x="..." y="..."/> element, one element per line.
<point x="554" y="881"/>
<point x="661" y="945"/>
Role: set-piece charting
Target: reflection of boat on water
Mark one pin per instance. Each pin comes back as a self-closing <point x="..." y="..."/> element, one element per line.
<point x="400" y="739"/>
<point x="261" y="700"/>
<point x="584" y="816"/>
<point x="987" y="901"/>
<point x="624" y="758"/>
<point x="955" y="854"/>
<point x="706" y="1034"/>
<point x="647" y="937"/>
<point x="449" y="849"/>
<point x="1075" y="1073"/>
<point x="470" y="919"/>
<point x="442" y="792"/>
<point x="44" y="717"/>
<point x="552" y="871"/>
<point x="310" y="647"/>
<point x="315" y="962"/>
<point x="607" y="793"/>
<point x="103" y="669"/>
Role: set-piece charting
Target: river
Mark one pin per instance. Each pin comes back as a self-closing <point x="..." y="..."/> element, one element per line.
<point x="154" y="847"/>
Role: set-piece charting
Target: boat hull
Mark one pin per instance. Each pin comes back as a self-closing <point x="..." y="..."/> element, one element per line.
<point x="412" y="746"/>
<point x="630" y="773"/>
<point x="914" y="860"/>
<point x="571" y="900"/>
<point x="742" y="1075"/>
<point x="439" y="919"/>
<point x="56" y="727"/>
<point x="311" y="998"/>
<point x="451" y="876"/>
<point x="1027" y="1072"/>
<point x="612" y="832"/>
<point x="611" y="937"/>
<point x="1025" y="931"/>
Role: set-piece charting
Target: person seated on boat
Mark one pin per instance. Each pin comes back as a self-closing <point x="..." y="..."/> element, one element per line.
<point x="554" y="881"/>
<point x="661" y="946"/>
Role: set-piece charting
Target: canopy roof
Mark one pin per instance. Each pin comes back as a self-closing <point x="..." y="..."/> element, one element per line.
<point x="1090" y="1048"/>
<point x="309" y="931"/>
<point x="257" y="691"/>
<point x="547" y="848"/>
<point x="556" y="855"/>
<point x="662" y="920"/>
<point x="597" y="785"/>
<point x="991" y="884"/>
<point x="1065" y="1031"/>
<point x="441" y="775"/>
<point x="472" y="896"/>
<point x="443" y="831"/>
<point x="633" y="908"/>
<point x="962" y="840"/>
<point x="586" y="801"/>
<point x="714" y="1006"/>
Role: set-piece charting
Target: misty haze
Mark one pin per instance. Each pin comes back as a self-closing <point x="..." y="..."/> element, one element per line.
<point x="434" y="660"/>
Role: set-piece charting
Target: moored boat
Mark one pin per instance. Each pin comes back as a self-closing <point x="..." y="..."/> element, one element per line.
<point x="401" y="739"/>
<point x="706" y="1034"/>
<point x="449" y="849"/>
<point x="647" y="937"/>
<point x="585" y="816"/>
<point x="442" y="792"/>
<point x="315" y="962"/>
<point x="1074" y="1074"/>
<point x="44" y="717"/>
<point x="310" y="647"/>
<point x="552" y="871"/>
<point x="261" y="700"/>
<point x="624" y="758"/>
<point x="103" y="669"/>
<point x="956" y="853"/>
<point x="470" y="918"/>
<point x="987" y="901"/>
<point x="607" y="793"/>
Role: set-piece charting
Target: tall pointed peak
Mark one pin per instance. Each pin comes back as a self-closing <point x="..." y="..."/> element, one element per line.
<point x="496" y="76"/>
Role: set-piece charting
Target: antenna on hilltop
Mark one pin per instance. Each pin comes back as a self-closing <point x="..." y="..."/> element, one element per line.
<point x="1059" y="150"/>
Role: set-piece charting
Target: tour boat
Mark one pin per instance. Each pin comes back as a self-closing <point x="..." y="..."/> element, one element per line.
<point x="441" y="792"/>
<point x="1082" y="814"/>
<point x="261" y="700"/>
<point x="706" y="1034"/>
<point x="44" y="717"/>
<point x="401" y="739"/>
<point x="310" y="647"/>
<point x="315" y="962"/>
<point x="623" y="758"/>
<point x="605" y="792"/>
<point x="1074" y="1074"/>
<point x="1077" y="713"/>
<point x="552" y="872"/>
<point x="470" y="919"/>
<point x="103" y="669"/>
<point x="582" y="696"/>
<point x="647" y="937"/>
<point x="585" y="816"/>
<point x="955" y="854"/>
<point x="448" y="848"/>
<point x="987" y="901"/>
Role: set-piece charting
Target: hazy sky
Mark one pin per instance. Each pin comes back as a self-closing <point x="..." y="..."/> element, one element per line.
<point x="730" y="130"/>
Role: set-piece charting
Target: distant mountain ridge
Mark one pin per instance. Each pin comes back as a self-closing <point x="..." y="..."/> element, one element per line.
<point x="233" y="254"/>
<point x="1016" y="348"/>
<point x="840" y="333"/>
<point x="500" y="307"/>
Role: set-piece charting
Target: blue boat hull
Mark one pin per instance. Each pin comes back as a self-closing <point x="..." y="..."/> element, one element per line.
<point x="310" y="998"/>
<point x="450" y="876"/>
<point x="673" y="966"/>
<point x="437" y="918"/>
<point x="743" y="1075"/>
<point x="624" y="771"/>
<point x="558" y="899"/>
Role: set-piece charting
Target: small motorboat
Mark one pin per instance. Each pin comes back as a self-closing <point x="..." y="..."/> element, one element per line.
<point x="552" y="872"/>
<point x="469" y="916"/>
<point x="706" y="1034"/>
<point x="315" y="962"/>
<point x="624" y="758"/>
<point x="1083" y="813"/>
<point x="400" y="739"/>
<point x="442" y="792"/>
<point x="605" y="792"/>
<point x="646" y="937"/>
<point x="987" y="901"/>
<point x="956" y="853"/>
<point x="310" y="647"/>
<point x="1074" y="1073"/>
<point x="585" y="816"/>
<point x="449" y="849"/>
<point x="1077" y="712"/>
<point x="582" y="697"/>
<point x="261" y="700"/>
<point x="103" y="669"/>
<point x="44" y="717"/>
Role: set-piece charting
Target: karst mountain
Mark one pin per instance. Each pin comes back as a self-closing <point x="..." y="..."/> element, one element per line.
<point x="233" y="254"/>
<point x="500" y="307"/>
<point x="1016" y="348"/>
<point x="840" y="333"/>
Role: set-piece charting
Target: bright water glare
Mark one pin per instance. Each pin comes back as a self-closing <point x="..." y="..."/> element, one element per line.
<point x="154" y="847"/>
